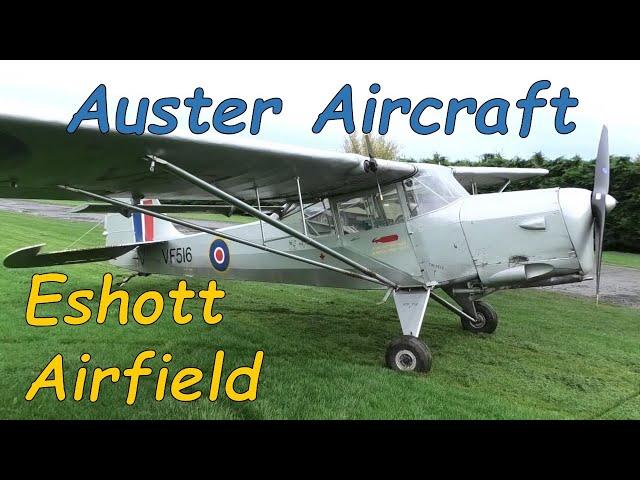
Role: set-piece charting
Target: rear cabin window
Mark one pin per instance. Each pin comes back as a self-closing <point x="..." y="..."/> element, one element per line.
<point x="318" y="217"/>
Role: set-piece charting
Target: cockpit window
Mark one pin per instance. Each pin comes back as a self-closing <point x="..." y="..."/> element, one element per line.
<point x="432" y="189"/>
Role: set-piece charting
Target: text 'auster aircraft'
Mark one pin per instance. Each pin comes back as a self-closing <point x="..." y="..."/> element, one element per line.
<point x="341" y="220"/>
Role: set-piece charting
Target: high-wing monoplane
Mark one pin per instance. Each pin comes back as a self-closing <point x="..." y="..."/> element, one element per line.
<point x="333" y="219"/>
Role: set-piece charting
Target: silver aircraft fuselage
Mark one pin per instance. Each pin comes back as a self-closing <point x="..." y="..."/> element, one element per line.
<point x="426" y="230"/>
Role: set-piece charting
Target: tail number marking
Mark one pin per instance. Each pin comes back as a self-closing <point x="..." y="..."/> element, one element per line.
<point x="177" y="255"/>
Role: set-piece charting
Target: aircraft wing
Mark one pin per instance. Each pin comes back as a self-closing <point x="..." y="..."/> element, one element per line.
<point x="488" y="176"/>
<point x="36" y="156"/>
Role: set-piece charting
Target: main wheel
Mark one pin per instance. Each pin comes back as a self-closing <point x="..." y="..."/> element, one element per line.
<point x="408" y="354"/>
<point x="486" y="319"/>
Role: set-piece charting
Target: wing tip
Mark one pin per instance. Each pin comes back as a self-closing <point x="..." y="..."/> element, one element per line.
<point x="81" y="209"/>
<point x="16" y="259"/>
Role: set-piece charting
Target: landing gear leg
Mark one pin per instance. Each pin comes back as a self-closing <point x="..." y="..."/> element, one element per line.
<point x="484" y="317"/>
<point x="408" y="353"/>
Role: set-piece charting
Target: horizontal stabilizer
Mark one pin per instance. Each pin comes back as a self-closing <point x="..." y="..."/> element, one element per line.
<point x="108" y="208"/>
<point x="31" y="257"/>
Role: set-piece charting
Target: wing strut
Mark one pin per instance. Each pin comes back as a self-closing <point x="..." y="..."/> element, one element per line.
<point x="259" y="208"/>
<point x="129" y="207"/>
<point x="452" y="308"/>
<point x="304" y="223"/>
<point x="207" y="187"/>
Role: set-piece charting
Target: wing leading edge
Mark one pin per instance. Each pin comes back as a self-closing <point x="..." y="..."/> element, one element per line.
<point x="37" y="156"/>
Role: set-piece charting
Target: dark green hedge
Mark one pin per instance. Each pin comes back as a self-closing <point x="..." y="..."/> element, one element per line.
<point x="623" y="224"/>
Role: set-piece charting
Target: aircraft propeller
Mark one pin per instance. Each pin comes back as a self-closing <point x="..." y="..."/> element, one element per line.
<point x="601" y="201"/>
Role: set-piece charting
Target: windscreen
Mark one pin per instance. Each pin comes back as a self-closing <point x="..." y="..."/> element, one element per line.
<point x="431" y="189"/>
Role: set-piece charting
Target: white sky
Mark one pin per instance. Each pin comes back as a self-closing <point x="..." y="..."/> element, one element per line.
<point x="607" y="92"/>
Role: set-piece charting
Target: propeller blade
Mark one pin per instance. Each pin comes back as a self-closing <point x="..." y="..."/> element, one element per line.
<point x="601" y="180"/>
<point x="599" y="200"/>
<point x="599" y="234"/>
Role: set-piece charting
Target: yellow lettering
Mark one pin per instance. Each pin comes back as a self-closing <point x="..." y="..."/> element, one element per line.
<point x="158" y="301"/>
<point x="217" y="375"/>
<point x="180" y="295"/>
<point x="135" y="372"/>
<point x="210" y="295"/>
<point x="53" y="367"/>
<point x="85" y="312"/>
<point x="162" y="378"/>
<point x="107" y="297"/>
<point x="35" y="298"/>
<point x="98" y="376"/>
<point x="178" y="384"/>
<point x="80" y="379"/>
<point x="253" y="373"/>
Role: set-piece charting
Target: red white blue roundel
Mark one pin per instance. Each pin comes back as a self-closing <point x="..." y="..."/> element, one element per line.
<point x="219" y="255"/>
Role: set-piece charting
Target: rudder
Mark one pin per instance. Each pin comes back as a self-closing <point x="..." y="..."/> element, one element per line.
<point x="138" y="227"/>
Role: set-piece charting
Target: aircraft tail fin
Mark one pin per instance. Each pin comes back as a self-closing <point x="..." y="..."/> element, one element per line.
<point x="138" y="228"/>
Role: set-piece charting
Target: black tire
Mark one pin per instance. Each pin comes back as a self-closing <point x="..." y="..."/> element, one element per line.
<point x="487" y="319"/>
<point x="408" y="354"/>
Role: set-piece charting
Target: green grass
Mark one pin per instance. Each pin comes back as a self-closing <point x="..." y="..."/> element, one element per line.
<point x="621" y="259"/>
<point x="552" y="356"/>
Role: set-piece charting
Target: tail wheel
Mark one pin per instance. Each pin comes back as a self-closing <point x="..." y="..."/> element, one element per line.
<point x="408" y="354"/>
<point x="486" y="319"/>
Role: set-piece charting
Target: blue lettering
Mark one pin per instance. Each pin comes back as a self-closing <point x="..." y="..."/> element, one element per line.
<point x="342" y="99"/>
<point x="98" y="98"/>
<point x="418" y="127"/>
<point x="529" y="103"/>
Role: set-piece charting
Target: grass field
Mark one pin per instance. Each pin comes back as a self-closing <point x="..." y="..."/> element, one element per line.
<point x="552" y="356"/>
<point x="621" y="259"/>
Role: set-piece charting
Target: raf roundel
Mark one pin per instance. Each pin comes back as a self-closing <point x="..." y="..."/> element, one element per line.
<point x="219" y="255"/>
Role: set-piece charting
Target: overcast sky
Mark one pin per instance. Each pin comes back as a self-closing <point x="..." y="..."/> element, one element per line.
<point x="607" y="92"/>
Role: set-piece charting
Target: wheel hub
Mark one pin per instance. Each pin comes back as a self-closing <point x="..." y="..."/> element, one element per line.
<point x="406" y="360"/>
<point x="480" y="320"/>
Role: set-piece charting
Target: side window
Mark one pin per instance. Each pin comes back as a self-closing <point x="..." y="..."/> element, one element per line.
<point x="355" y="214"/>
<point x="368" y="211"/>
<point x="391" y="207"/>
<point x="319" y="218"/>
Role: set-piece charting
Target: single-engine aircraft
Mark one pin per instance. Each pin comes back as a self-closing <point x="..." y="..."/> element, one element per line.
<point x="334" y="219"/>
